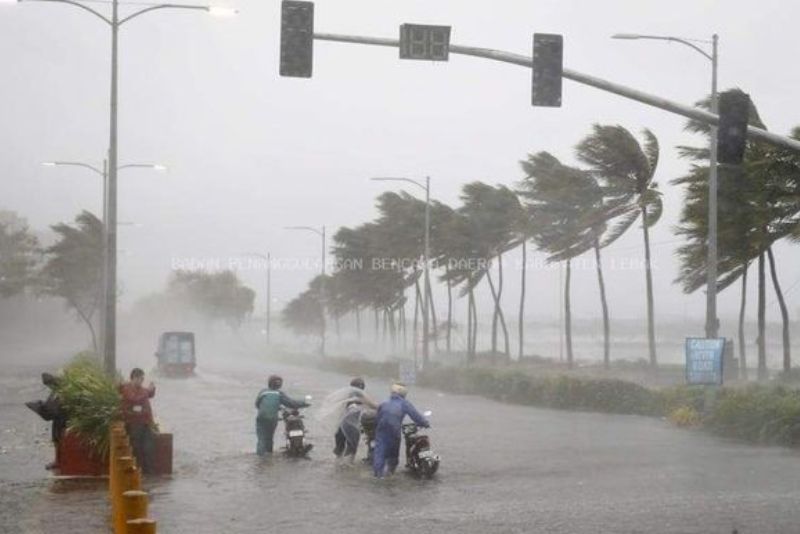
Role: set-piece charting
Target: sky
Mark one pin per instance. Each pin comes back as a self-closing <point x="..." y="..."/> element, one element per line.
<point x="250" y="153"/>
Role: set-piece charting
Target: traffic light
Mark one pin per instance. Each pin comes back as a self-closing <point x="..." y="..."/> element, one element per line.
<point x="548" y="59"/>
<point x="297" y="38"/>
<point x="422" y="41"/>
<point x="734" y="112"/>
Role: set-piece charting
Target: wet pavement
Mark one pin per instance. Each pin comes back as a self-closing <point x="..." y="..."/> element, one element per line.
<point x="505" y="469"/>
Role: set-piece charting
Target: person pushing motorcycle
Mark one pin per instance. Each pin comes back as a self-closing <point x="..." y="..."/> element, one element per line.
<point x="389" y="427"/>
<point x="268" y="404"/>
<point x="348" y="431"/>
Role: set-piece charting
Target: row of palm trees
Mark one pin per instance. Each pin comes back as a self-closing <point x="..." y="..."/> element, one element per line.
<point x="564" y="211"/>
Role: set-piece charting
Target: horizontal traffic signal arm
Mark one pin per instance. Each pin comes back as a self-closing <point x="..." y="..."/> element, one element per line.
<point x="585" y="79"/>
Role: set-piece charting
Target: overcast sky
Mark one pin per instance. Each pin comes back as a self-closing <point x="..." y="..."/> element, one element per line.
<point x="250" y="152"/>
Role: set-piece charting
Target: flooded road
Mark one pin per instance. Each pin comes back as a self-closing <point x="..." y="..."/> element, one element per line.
<point x="504" y="469"/>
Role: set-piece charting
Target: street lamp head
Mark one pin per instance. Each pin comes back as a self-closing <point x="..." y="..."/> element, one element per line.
<point x="160" y="168"/>
<point x="49" y="164"/>
<point x="222" y="11"/>
<point x="629" y="36"/>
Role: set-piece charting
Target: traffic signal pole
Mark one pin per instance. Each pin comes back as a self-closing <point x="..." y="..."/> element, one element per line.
<point x="689" y="112"/>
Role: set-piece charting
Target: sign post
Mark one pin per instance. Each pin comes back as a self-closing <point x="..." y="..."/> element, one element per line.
<point x="704" y="361"/>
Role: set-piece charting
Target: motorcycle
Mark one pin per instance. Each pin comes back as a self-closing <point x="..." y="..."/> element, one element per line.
<point x="295" y="432"/>
<point x="420" y="459"/>
<point x="368" y="420"/>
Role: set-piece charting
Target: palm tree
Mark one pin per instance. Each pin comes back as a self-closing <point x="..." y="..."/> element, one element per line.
<point x="759" y="205"/>
<point x="626" y="170"/>
<point x="562" y="201"/>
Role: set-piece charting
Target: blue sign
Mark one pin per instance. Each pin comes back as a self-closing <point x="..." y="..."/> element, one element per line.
<point x="704" y="361"/>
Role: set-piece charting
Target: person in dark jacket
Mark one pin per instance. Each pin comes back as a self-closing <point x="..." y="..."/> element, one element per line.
<point x="388" y="429"/>
<point x="52" y="410"/>
<point x="268" y="404"/>
<point x="138" y="416"/>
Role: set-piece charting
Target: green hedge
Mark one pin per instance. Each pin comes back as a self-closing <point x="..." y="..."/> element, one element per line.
<point x="756" y="413"/>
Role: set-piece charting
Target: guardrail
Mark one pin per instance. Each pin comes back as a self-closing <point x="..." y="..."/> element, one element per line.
<point x="128" y="502"/>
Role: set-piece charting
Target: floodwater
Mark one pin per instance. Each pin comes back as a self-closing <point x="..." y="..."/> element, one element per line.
<point x="505" y="469"/>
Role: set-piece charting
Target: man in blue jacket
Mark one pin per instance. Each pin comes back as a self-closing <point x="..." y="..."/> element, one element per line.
<point x="388" y="429"/>
<point x="268" y="404"/>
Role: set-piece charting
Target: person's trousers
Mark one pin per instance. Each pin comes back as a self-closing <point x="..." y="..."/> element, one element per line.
<point x="143" y="445"/>
<point x="387" y="453"/>
<point x="265" y="431"/>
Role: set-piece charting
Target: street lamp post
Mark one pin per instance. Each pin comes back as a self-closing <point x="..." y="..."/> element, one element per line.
<point x="268" y="259"/>
<point x="115" y="22"/>
<point x="712" y="323"/>
<point x="427" y="254"/>
<point x="104" y="174"/>
<point x="320" y="232"/>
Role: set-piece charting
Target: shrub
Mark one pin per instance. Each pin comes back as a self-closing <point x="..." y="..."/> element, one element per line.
<point x="91" y="401"/>
<point x="685" y="416"/>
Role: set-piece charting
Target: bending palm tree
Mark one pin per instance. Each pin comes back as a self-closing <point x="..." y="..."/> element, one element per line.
<point x="626" y="171"/>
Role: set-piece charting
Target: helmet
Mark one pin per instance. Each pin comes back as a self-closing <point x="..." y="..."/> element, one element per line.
<point x="274" y="382"/>
<point x="358" y="383"/>
<point x="400" y="389"/>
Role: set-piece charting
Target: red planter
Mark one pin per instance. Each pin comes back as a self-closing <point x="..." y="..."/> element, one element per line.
<point x="75" y="458"/>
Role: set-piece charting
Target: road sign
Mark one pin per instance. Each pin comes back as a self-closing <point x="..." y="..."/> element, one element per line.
<point x="297" y="38"/>
<point x="548" y="67"/>
<point x="704" y="361"/>
<point x="423" y="41"/>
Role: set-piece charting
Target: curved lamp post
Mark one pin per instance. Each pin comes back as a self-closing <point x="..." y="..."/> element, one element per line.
<point x="115" y="22"/>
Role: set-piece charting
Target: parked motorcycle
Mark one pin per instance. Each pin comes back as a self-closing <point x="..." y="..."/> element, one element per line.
<point x="297" y="445"/>
<point x="420" y="459"/>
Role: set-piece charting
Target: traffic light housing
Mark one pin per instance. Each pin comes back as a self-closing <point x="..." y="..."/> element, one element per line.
<point x="297" y="39"/>
<point x="548" y="64"/>
<point x="734" y="112"/>
<point x="424" y="41"/>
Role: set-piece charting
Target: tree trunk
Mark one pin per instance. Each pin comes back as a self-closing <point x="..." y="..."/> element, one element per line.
<point x="87" y="318"/>
<point x="498" y="314"/>
<point x="377" y="327"/>
<point x="604" y="303"/>
<point x="494" y="312"/>
<point x="434" y="322"/>
<point x="506" y="344"/>
<point x="415" y="330"/>
<point x="762" y="312"/>
<point x="471" y="326"/>
<point x="403" y="326"/>
<point x="742" y="308"/>
<point x="449" y="308"/>
<point x="568" y="315"/>
<point x="358" y="324"/>
<point x="521" y="322"/>
<point x="787" y="345"/>
<point x="651" y="322"/>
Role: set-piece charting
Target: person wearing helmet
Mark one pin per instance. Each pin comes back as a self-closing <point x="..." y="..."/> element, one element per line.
<point x="348" y="432"/>
<point x="268" y="404"/>
<point x="389" y="429"/>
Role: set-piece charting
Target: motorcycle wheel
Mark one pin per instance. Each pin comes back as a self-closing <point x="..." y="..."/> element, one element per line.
<point x="428" y="468"/>
<point x="296" y="447"/>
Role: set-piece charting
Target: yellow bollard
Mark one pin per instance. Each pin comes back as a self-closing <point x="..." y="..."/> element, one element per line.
<point x="135" y="503"/>
<point x="126" y="480"/>
<point x="142" y="526"/>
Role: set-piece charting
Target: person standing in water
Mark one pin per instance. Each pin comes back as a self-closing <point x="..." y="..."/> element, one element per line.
<point x="348" y="432"/>
<point x="389" y="427"/>
<point x="138" y="417"/>
<point x="268" y="404"/>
